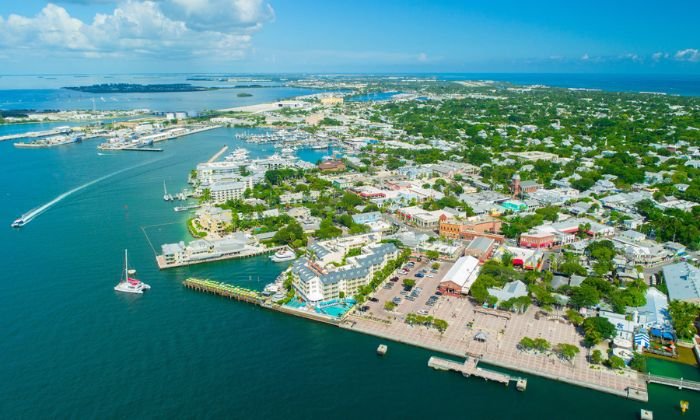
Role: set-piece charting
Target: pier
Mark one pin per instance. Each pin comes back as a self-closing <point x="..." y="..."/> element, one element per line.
<point x="218" y="154"/>
<point x="250" y="252"/>
<point x="674" y="382"/>
<point x="142" y="149"/>
<point x="469" y="368"/>
<point x="36" y="134"/>
<point x="224" y="290"/>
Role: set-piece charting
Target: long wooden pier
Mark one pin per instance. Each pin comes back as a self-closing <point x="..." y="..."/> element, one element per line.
<point x="675" y="382"/>
<point x="223" y="289"/>
<point x="469" y="368"/>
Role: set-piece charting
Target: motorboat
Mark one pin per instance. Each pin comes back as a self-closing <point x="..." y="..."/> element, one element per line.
<point x="283" y="255"/>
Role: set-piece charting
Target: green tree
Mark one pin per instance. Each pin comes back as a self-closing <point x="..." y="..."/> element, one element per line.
<point x="567" y="351"/>
<point x="639" y="362"/>
<point x="615" y="362"/>
<point x="575" y="317"/>
<point x="596" y="357"/>
<point x="409" y="283"/>
<point x="597" y="329"/>
<point x="683" y="316"/>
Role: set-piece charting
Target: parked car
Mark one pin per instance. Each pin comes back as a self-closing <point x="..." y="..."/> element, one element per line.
<point x="396" y="300"/>
<point x="439" y="293"/>
<point x="374" y="299"/>
<point x="394" y="279"/>
<point x="423" y="312"/>
<point x="420" y="275"/>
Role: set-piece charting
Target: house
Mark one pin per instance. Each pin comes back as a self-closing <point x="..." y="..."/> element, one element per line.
<point x="511" y="290"/>
<point x="459" y="279"/>
<point x="682" y="281"/>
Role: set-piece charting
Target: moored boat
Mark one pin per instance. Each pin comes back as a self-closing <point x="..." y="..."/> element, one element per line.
<point x="283" y="255"/>
<point x="128" y="284"/>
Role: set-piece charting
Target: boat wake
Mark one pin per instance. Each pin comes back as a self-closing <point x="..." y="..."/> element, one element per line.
<point x="34" y="213"/>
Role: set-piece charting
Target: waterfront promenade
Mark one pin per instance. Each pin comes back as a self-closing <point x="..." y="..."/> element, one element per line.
<point x="500" y="349"/>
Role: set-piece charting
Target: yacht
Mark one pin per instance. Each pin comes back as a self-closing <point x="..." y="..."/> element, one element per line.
<point x="166" y="196"/>
<point x="128" y="284"/>
<point x="283" y="255"/>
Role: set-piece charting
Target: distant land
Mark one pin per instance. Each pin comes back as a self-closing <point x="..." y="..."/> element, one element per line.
<point x="136" y="88"/>
<point x="244" y="95"/>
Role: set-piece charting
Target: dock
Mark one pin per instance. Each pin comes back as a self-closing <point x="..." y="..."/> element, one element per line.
<point x="247" y="253"/>
<point x="382" y="349"/>
<point x="674" y="382"/>
<point x="469" y="368"/>
<point x="223" y="289"/>
<point x="142" y="149"/>
<point x="218" y="154"/>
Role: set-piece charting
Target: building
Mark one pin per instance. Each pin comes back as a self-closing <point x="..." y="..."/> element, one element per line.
<point x="683" y="282"/>
<point x="511" y="290"/>
<point x="223" y="191"/>
<point x="459" y="279"/>
<point x="214" y="219"/>
<point x="537" y="240"/>
<point x="332" y="166"/>
<point x="366" y="218"/>
<point x="314" y="283"/>
<point x="481" y="248"/>
<point x="466" y="228"/>
<point x="331" y="100"/>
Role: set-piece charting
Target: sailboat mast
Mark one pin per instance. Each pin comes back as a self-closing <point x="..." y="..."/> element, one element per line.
<point x="126" y="266"/>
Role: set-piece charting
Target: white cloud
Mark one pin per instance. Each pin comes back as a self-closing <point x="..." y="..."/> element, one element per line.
<point x="422" y="57"/>
<point x="163" y="29"/>
<point x="658" y="56"/>
<point x="689" y="54"/>
<point x="585" y="57"/>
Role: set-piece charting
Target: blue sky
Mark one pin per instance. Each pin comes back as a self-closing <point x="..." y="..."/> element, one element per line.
<point x="103" y="36"/>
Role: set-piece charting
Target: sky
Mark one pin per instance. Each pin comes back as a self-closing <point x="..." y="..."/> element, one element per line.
<point x="357" y="36"/>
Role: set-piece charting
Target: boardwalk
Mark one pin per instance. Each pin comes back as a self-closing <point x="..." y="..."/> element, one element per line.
<point x="218" y="154"/>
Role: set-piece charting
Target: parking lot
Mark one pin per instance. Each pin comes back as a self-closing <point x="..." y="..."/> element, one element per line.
<point x="420" y="299"/>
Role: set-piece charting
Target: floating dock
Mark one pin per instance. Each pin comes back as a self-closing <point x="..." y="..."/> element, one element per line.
<point x="469" y="368"/>
<point x="142" y="149"/>
<point x="382" y="349"/>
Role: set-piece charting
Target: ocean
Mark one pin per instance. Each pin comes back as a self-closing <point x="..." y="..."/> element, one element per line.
<point x="72" y="347"/>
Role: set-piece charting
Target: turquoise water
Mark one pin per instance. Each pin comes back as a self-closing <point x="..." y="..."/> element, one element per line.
<point x="72" y="347"/>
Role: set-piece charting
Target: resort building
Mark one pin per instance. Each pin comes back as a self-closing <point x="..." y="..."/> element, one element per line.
<point x="314" y="283"/>
<point x="459" y="279"/>
<point x="229" y="190"/>
<point x="213" y="219"/>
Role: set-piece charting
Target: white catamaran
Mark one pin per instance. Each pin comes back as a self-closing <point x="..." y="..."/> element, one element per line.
<point x="128" y="284"/>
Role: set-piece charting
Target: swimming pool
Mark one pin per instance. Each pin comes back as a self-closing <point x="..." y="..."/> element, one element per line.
<point x="335" y="307"/>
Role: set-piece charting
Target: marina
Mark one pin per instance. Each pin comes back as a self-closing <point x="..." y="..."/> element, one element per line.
<point x="52" y="141"/>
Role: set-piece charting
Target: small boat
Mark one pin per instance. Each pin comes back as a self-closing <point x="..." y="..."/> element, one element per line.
<point x="18" y="223"/>
<point x="128" y="284"/>
<point x="166" y="196"/>
<point x="283" y="255"/>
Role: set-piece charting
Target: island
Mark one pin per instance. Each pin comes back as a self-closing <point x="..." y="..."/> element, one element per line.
<point x="137" y="88"/>
<point x="244" y="95"/>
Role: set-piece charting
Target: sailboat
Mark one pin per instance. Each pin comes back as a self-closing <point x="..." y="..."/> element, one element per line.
<point x="128" y="284"/>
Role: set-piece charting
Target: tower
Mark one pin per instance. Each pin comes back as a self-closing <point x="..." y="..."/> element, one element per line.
<point x="515" y="185"/>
